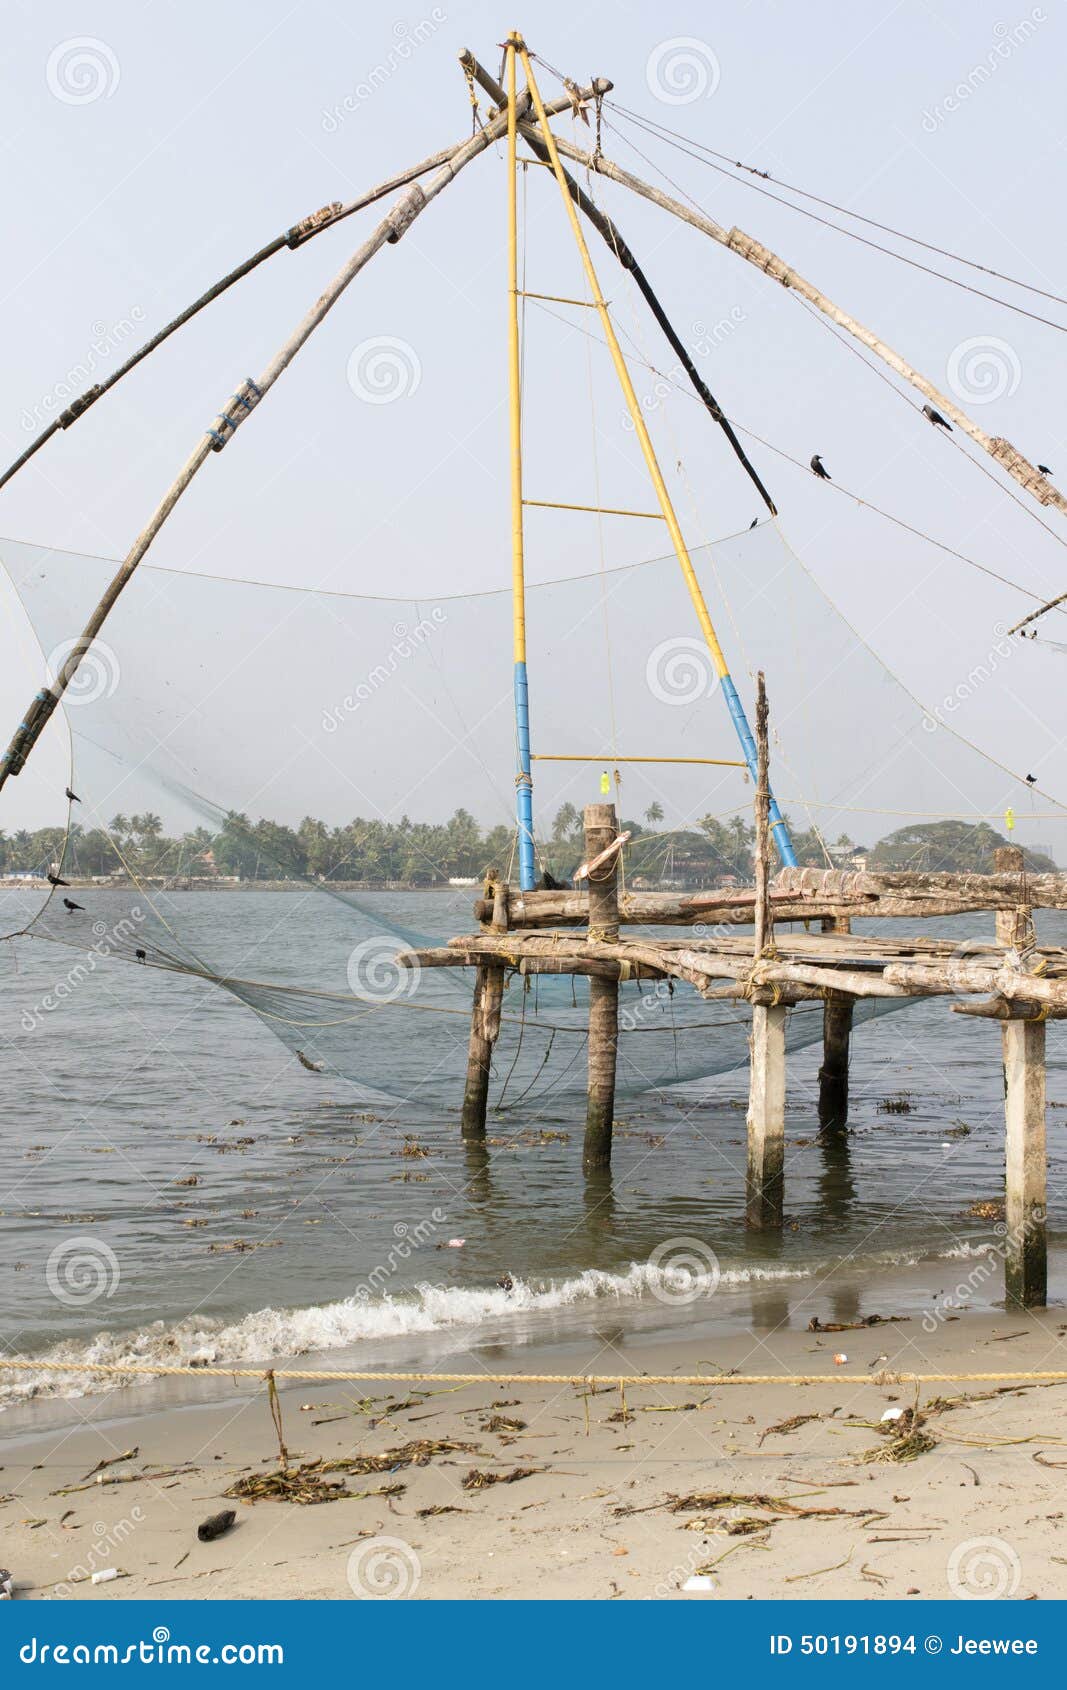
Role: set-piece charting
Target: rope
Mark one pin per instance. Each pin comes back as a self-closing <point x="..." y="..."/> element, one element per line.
<point x="831" y="205"/>
<point x="887" y="1376"/>
<point x="913" y="263"/>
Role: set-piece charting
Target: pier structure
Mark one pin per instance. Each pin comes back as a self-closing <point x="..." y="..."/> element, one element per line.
<point x="802" y="947"/>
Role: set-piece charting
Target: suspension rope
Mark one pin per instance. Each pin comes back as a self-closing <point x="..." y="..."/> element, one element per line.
<point x="652" y="125"/>
<point x="913" y="263"/>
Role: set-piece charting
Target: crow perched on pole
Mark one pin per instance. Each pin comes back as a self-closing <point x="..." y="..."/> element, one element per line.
<point x="73" y="796"/>
<point x="56" y="880"/>
<point x="819" y="469"/>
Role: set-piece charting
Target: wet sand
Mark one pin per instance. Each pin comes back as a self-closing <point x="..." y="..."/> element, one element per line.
<point x="980" y="1512"/>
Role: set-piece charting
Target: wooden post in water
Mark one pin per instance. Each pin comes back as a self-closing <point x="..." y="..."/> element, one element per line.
<point x="485" y="1018"/>
<point x="765" y="1177"/>
<point x="1026" y="1165"/>
<point x="836" y="1036"/>
<point x="601" y="828"/>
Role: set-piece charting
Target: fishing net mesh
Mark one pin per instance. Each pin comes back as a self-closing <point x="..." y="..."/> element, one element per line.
<point x="313" y="742"/>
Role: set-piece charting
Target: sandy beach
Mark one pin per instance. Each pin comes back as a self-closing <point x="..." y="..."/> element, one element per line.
<point x="531" y="1490"/>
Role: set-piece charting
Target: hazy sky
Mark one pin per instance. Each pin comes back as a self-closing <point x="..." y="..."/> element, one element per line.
<point x="149" y="148"/>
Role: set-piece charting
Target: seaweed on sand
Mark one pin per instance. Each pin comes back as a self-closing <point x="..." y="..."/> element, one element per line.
<point x="477" y="1480"/>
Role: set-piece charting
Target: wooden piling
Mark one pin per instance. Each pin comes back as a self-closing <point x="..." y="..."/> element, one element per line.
<point x="485" y="1027"/>
<point x="1025" y="1156"/>
<point x="1025" y="1242"/>
<point x="601" y="828"/>
<point x="765" y="1184"/>
<point x="836" y="1037"/>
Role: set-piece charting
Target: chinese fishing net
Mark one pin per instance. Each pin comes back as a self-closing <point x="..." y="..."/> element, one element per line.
<point x="265" y="776"/>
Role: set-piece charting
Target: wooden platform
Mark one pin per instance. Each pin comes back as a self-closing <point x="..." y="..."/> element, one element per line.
<point x="609" y="937"/>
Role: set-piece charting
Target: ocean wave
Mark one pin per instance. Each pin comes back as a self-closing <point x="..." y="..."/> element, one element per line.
<point x="265" y="1335"/>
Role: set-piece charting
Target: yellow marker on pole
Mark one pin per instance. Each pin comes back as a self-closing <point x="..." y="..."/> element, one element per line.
<point x="1009" y="820"/>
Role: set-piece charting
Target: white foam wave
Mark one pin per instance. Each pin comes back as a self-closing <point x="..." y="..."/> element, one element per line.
<point x="269" y="1333"/>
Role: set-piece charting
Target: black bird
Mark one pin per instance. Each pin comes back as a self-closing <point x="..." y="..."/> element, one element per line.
<point x="1044" y="469"/>
<point x="753" y="523"/>
<point x="1031" y="780"/>
<point x="73" y="796"/>
<point x="55" y="880"/>
<point x="817" y="469"/>
<point x="936" y="418"/>
<point x="548" y="884"/>
<point x="142" y="956"/>
<point x="70" y="906"/>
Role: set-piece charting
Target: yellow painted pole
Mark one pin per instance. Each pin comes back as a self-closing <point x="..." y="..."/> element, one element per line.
<point x="518" y="563"/>
<point x="523" y="773"/>
<point x="632" y="405"/>
<point x="730" y="693"/>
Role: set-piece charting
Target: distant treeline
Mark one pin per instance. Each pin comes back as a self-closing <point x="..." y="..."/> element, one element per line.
<point x="430" y="853"/>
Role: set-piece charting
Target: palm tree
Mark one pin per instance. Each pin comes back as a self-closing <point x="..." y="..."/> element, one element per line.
<point x="565" y="823"/>
<point x="654" y="813"/>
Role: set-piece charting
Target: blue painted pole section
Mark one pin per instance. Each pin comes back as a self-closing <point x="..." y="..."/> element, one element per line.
<point x="748" y="745"/>
<point x="524" y="782"/>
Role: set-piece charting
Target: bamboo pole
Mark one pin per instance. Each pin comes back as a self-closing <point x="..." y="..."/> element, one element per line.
<point x="989" y="891"/>
<point x="411" y="204"/>
<point x="550" y="909"/>
<point x="730" y="693"/>
<point x="520" y="679"/>
<point x="601" y="827"/>
<point x="763" y="937"/>
<point x="298" y="235"/>
<point x="1018" y="467"/>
